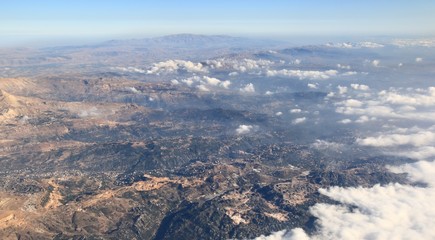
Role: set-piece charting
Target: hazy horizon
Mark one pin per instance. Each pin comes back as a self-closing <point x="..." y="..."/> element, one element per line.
<point x="81" y="22"/>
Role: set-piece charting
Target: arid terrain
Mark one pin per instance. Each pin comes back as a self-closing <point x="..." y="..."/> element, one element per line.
<point x="126" y="141"/>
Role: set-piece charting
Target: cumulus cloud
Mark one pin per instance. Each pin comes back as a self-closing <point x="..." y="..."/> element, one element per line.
<point x="216" y="82"/>
<point x="419" y="59"/>
<point x="248" y="88"/>
<point x="382" y="212"/>
<point x="345" y="121"/>
<point x="244" y="129"/>
<point x="299" y="120"/>
<point x="303" y="74"/>
<point x="212" y="81"/>
<point x="294" y="234"/>
<point x="239" y="65"/>
<point x="361" y="87"/>
<point x="351" y="103"/>
<point x="427" y="98"/>
<point x="204" y="82"/>
<point x="342" y="89"/>
<point x="381" y="111"/>
<point x="421" y="138"/>
<point x="203" y="88"/>
<point x="393" y="211"/>
<point x="411" y="104"/>
<point x="296" y="110"/>
<point x="343" y="66"/>
<point x="312" y="85"/>
<point x="364" y="119"/>
<point x="376" y="63"/>
<point x="296" y="62"/>
<point x="278" y="114"/>
<point x="190" y="81"/>
<point x="172" y="66"/>
<point x="225" y="84"/>
<point x="175" y="81"/>
<point x="349" y="73"/>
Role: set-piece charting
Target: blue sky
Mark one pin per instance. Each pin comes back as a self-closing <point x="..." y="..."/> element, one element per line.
<point x="22" y="20"/>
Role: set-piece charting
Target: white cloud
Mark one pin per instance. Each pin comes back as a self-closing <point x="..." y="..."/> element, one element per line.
<point x="420" y="138"/>
<point x="412" y="104"/>
<point x="175" y="81"/>
<point x="350" y="45"/>
<point x="345" y="121"/>
<point x="240" y="65"/>
<point x="130" y="69"/>
<point x="212" y="81"/>
<point x="296" y="62"/>
<point x="425" y="152"/>
<point x="225" y="84"/>
<point x="425" y="99"/>
<point x="393" y="211"/>
<point x="299" y="120"/>
<point x="380" y="111"/>
<point x="342" y="89"/>
<point x="349" y="73"/>
<point x="312" y="86"/>
<point x="425" y="42"/>
<point x="296" y="110"/>
<point x="343" y="66"/>
<point x="248" y="88"/>
<point x="244" y="129"/>
<point x="370" y="45"/>
<point x="203" y="88"/>
<point x="376" y="63"/>
<point x="190" y="81"/>
<point x="364" y="119"/>
<point x="383" y="212"/>
<point x="419" y="59"/>
<point x="278" y="114"/>
<point x="351" y="103"/>
<point x="204" y="82"/>
<point x="361" y="87"/>
<point x="172" y="66"/>
<point x="303" y="74"/>
<point x="294" y="234"/>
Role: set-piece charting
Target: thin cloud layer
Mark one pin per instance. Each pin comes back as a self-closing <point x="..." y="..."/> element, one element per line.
<point x="350" y="45"/>
<point x="303" y="74"/>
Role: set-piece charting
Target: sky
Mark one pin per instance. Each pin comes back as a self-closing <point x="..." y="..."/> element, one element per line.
<point x="25" y="21"/>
